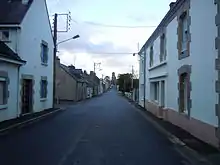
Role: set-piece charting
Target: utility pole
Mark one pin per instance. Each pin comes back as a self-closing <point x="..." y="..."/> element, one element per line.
<point x="132" y="77"/>
<point x="54" y="57"/>
<point x="95" y="65"/>
<point x="55" y="31"/>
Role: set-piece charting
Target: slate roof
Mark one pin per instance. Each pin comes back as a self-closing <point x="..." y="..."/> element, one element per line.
<point x="13" y="11"/>
<point x="6" y="52"/>
<point x="66" y="69"/>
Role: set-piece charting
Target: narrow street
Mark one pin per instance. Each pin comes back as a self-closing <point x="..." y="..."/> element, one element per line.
<point x="102" y="131"/>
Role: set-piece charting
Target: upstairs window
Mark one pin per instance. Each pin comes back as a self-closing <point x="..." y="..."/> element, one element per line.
<point x="44" y="52"/>
<point x="184" y="31"/>
<point x="151" y="56"/>
<point x="184" y="35"/>
<point x="162" y="47"/>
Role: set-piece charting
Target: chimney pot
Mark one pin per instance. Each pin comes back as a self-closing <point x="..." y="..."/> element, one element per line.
<point x="172" y="4"/>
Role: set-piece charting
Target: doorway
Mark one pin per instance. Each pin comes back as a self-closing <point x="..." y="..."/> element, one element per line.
<point x="27" y="96"/>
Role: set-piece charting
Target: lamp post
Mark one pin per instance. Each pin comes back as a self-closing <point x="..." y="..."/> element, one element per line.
<point x="143" y="57"/>
<point x="55" y="54"/>
<point x="72" y="38"/>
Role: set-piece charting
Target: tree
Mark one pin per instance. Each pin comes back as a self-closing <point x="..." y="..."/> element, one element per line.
<point x="124" y="82"/>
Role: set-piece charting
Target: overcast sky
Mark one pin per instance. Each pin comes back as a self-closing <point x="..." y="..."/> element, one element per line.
<point x="101" y="43"/>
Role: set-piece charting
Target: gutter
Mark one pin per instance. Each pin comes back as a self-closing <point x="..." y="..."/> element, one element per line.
<point x="13" y="61"/>
<point x="144" y="77"/>
<point x="10" y="26"/>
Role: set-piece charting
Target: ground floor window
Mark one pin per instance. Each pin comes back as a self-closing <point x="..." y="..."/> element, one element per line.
<point x="2" y="91"/>
<point x="154" y="90"/>
<point x="43" y="89"/>
<point x="157" y="92"/>
<point x="183" y="92"/>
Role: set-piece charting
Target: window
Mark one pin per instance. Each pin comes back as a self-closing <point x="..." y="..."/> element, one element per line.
<point x="142" y="66"/>
<point x="183" y="85"/>
<point x="151" y="56"/>
<point x="44" y="53"/>
<point x="156" y="91"/>
<point x="43" y="91"/>
<point x="163" y="93"/>
<point x="184" y="31"/>
<point x="2" y="91"/>
<point x="4" y="35"/>
<point x="162" y="48"/>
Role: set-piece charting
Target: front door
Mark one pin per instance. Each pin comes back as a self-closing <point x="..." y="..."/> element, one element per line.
<point x="27" y="96"/>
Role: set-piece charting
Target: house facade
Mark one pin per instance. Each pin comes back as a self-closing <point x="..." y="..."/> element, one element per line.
<point x="10" y="64"/>
<point x="179" y="68"/>
<point x="25" y="29"/>
<point x="66" y="83"/>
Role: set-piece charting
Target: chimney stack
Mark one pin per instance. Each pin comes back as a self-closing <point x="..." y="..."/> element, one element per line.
<point x="172" y="4"/>
<point x="71" y="67"/>
<point x="25" y="2"/>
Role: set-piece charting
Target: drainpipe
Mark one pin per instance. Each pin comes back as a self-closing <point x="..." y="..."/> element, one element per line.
<point x="18" y="87"/>
<point x="144" y="77"/>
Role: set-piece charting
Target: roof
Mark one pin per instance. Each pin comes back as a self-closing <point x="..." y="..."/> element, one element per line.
<point x="13" y="11"/>
<point x="7" y="53"/>
<point x="66" y="69"/>
<point x="165" y="21"/>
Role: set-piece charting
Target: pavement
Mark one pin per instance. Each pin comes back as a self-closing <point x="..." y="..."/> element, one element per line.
<point x="105" y="130"/>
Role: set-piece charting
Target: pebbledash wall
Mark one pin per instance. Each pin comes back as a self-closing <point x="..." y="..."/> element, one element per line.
<point x="202" y="66"/>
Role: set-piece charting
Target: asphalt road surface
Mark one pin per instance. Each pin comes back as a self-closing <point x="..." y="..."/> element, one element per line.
<point x="102" y="131"/>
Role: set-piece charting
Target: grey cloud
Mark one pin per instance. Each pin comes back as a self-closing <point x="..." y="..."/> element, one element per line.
<point x="83" y="44"/>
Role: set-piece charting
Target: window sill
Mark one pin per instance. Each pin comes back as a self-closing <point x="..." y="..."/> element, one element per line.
<point x="184" y="54"/>
<point x="6" y="41"/>
<point x="43" y="99"/>
<point x="158" y="65"/>
<point x="2" y="107"/>
<point x="45" y="64"/>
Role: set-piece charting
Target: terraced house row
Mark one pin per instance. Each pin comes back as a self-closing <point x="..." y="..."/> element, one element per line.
<point x="27" y="63"/>
<point x="180" y="69"/>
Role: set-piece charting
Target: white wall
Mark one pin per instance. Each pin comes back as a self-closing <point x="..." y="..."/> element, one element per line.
<point x="13" y="38"/>
<point x="11" y="111"/>
<point x="156" y="72"/>
<point x="35" y="28"/>
<point x="202" y="58"/>
<point x="203" y="54"/>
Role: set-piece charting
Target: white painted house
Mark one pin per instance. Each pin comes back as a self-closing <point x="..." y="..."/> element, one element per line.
<point x="181" y="66"/>
<point x="25" y="28"/>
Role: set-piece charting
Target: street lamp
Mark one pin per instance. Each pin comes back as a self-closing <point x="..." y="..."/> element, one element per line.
<point x="72" y="38"/>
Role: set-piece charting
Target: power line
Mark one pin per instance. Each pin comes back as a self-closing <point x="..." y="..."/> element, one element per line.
<point x="116" y="26"/>
<point x="113" y="26"/>
<point x="105" y="52"/>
